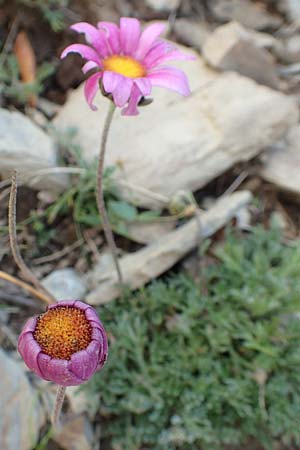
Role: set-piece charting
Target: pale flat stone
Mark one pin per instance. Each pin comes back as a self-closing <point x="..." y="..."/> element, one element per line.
<point x="248" y="13"/>
<point x="182" y="143"/>
<point x="28" y="149"/>
<point x="21" y="416"/>
<point x="65" y="284"/>
<point x="163" y="5"/>
<point x="281" y="163"/>
<point x="191" y="32"/>
<point x="233" y="47"/>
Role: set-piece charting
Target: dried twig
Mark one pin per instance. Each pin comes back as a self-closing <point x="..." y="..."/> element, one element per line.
<point x="27" y="273"/>
<point x="58" y="254"/>
<point x="40" y="295"/>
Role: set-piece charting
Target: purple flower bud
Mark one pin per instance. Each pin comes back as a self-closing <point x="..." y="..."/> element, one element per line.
<point x="67" y="344"/>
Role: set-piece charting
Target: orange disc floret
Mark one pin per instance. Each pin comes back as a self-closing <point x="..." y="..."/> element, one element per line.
<point x="63" y="331"/>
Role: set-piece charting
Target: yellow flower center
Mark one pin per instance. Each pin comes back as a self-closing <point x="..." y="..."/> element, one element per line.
<point x="125" y="65"/>
<point x="62" y="331"/>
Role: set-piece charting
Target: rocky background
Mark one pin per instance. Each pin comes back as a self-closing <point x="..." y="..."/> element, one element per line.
<point x="196" y="162"/>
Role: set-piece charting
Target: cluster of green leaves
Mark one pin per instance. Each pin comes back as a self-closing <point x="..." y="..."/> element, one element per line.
<point x="12" y="87"/>
<point x="52" y="11"/>
<point x="211" y="364"/>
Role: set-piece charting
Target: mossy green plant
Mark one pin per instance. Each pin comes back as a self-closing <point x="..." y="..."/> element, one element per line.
<point x="211" y="363"/>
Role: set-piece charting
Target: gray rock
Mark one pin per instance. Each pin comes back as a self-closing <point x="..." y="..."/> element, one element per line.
<point x="76" y="434"/>
<point x="21" y="416"/>
<point x="291" y="8"/>
<point x="65" y="284"/>
<point x="281" y="162"/>
<point x="163" y="5"/>
<point x="25" y="147"/>
<point x="232" y="47"/>
<point x="181" y="143"/>
<point x="249" y="14"/>
<point x="191" y="32"/>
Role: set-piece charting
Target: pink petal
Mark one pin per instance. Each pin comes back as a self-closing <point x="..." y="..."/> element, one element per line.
<point x="112" y="34"/>
<point x="84" y="50"/>
<point x="144" y="85"/>
<point x="97" y="38"/>
<point x="57" y="370"/>
<point x="89" y="66"/>
<point x="111" y="80"/>
<point x="131" y="109"/>
<point x="163" y="52"/>
<point x="91" y="33"/>
<point x="170" y="78"/>
<point x="83" y="365"/>
<point x="122" y="92"/>
<point x="130" y="31"/>
<point x="148" y="37"/>
<point x="91" y="87"/>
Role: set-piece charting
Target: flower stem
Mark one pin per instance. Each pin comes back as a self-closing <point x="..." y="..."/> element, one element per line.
<point x="100" y="196"/>
<point x="60" y="395"/>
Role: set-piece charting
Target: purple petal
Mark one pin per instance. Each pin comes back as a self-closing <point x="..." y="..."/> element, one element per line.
<point x="30" y="325"/>
<point x="89" y="66"/>
<point x="91" y="315"/>
<point x="113" y="36"/>
<point x="43" y="362"/>
<point x="131" y="108"/>
<point x="83" y="364"/>
<point x="91" y="87"/>
<point x="69" y="303"/>
<point x="170" y="78"/>
<point x="148" y="37"/>
<point x="80" y="305"/>
<point x="84" y="50"/>
<point x="130" y="31"/>
<point x="30" y="350"/>
<point x="57" y="370"/>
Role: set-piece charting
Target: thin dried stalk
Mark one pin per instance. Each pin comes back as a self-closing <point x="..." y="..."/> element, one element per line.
<point x="40" y="295"/>
<point x="26" y="272"/>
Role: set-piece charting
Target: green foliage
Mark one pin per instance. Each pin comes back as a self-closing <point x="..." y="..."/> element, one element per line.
<point x="52" y="11"/>
<point x="210" y="364"/>
<point x="12" y="87"/>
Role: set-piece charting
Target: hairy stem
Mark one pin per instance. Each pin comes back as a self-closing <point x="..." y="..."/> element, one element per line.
<point x="100" y="197"/>
<point x="60" y="395"/>
<point x="14" y="241"/>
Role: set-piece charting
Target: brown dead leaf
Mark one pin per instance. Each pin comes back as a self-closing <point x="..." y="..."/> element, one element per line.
<point x="26" y="60"/>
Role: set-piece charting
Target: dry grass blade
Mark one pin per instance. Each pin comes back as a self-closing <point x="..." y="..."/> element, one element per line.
<point x="14" y="243"/>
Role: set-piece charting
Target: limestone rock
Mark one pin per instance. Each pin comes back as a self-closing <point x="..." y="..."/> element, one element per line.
<point x="248" y="13"/>
<point x="232" y="47"/>
<point x="20" y="418"/>
<point x="281" y="162"/>
<point x="25" y="147"/>
<point x="65" y="284"/>
<point x="191" y="32"/>
<point x="181" y="143"/>
<point x="291" y="8"/>
<point x="163" y="5"/>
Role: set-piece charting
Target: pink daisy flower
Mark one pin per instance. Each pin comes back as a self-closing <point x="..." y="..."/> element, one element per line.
<point x="128" y="62"/>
